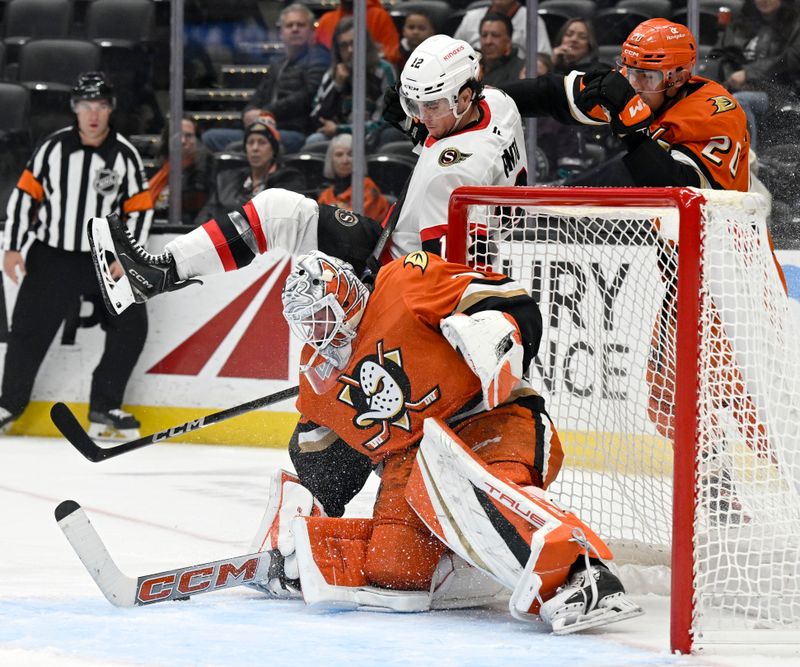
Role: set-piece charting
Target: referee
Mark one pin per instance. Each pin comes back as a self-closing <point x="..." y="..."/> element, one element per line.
<point x="82" y="171"/>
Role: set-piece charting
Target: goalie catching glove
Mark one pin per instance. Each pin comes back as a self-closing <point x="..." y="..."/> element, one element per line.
<point x="287" y="499"/>
<point x="626" y="110"/>
<point x="491" y="344"/>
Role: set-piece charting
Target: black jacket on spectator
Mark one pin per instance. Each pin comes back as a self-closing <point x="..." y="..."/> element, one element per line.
<point x="503" y="70"/>
<point x="767" y="51"/>
<point x="235" y="188"/>
<point x="288" y="89"/>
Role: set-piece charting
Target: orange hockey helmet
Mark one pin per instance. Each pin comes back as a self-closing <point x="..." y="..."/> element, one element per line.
<point x="660" y="45"/>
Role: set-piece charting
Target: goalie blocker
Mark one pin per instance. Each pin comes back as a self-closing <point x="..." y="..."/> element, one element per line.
<point x="503" y="537"/>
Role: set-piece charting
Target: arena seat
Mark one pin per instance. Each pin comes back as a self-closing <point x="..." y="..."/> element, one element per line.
<point x="585" y="9"/>
<point x="613" y="25"/>
<point x="26" y="20"/>
<point x="650" y="8"/>
<point x="390" y="171"/>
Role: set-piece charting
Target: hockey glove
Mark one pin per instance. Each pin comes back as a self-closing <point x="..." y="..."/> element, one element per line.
<point x="491" y="344"/>
<point x="394" y="114"/>
<point x="287" y="499"/>
<point x="627" y="111"/>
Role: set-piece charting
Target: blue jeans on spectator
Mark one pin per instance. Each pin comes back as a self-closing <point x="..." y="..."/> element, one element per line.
<point x="217" y="138"/>
<point x="755" y="104"/>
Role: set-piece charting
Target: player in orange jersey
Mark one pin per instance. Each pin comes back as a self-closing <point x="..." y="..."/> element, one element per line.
<point x="678" y="129"/>
<point x="424" y="378"/>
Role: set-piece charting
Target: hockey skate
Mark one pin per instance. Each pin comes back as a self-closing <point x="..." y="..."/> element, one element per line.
<point x="112" y="425"/>
<point x="6" y="420"/>
<point x="145" y="275"/>
<point x="591" y="597"/>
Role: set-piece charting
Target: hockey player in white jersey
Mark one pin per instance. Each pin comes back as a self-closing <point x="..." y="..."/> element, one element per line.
<point x="474" y="137"/>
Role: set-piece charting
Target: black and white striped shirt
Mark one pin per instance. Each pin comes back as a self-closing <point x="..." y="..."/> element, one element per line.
<point x="66" y="183"/>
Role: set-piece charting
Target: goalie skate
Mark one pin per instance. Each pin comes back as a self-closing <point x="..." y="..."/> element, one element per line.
<point x="591" y="598"/>
<point x="145" y="275"/>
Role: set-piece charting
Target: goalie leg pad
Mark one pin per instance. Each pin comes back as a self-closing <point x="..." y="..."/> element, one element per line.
<point x="495" y="525"/>
<point x="403" y="553"/>
<point x="458" y="585"/>
<point x="331" y="554"/>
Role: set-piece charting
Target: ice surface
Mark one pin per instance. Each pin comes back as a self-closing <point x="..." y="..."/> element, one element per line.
<point x="172" y="505"/>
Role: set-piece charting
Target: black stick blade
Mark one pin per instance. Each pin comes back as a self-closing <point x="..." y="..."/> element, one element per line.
<point x="70" y="428"/>
<point x="66" y="508"/>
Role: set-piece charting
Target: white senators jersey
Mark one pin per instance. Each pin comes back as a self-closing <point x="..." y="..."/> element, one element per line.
<point x="488" y="152"/>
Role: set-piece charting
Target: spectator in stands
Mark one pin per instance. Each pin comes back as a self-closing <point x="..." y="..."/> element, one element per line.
<point x="235" y="187"/>
<point x="565" y="145"/>
<point x="288" y="89"/>
<point x="499" y="60"/>
<point x="576" y="47"/>
<point x="76" y="173"/>
<point x="417" y="27"/>
<point x="339" y="170"/>
<point x="760" y="58"/>
<point x="379" y="25"/>
<point x="333" y="107"/>
<point x="196" y="168"/>
<point x="470" y="27"/>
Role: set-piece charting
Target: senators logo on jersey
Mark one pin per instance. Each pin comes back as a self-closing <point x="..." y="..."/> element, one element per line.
<point x="380" y="391"/>
<point x="451" y="156"/>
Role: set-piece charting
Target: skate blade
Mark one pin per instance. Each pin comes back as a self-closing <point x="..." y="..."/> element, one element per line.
<point x="617" y="609"/>
<point x="106" y="433"/>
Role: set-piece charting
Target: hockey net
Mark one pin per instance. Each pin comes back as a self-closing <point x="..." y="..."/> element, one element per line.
<point x="674" y="381"/>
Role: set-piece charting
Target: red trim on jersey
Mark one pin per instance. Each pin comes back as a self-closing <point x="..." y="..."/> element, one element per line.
<point x="255" y="225"/>
<point x="220" y="245"/>
<point x="433" y="233"/>
<point x="481" y="124"/>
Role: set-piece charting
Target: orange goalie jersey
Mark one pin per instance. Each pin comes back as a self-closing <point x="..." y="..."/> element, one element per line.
<point x="402" y="369"/>
<point x="707" y="130"/>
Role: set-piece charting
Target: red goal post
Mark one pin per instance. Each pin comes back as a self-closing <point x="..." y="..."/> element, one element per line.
<point x="671" y="374"/>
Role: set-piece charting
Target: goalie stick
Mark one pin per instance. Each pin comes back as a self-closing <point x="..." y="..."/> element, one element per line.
<point x="71" y="429"/>
<point x="178" y="584"/>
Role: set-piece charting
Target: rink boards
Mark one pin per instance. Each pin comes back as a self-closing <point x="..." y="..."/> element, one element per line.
<point x="226" y="343"/>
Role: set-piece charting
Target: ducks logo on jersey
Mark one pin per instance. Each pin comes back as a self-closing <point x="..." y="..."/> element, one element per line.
<point x="380" y="392"/>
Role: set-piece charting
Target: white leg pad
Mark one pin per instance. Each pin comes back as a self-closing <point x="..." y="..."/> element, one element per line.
<point x="458" y="585"/>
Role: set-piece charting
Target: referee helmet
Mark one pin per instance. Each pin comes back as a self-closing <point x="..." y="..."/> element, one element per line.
<point x="92" y="86"/>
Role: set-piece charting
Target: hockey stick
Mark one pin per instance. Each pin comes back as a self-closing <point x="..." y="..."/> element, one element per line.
<point x="178" y="584"/>
<point x="70" y="428"/>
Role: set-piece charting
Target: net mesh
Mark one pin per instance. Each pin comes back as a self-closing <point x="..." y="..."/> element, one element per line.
<point x="606" y="282"/>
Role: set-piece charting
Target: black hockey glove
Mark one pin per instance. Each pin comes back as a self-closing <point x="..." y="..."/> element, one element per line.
<point x="627" y="111"/>
<point x="394" y="114"/>
<point x="590" y="96"/>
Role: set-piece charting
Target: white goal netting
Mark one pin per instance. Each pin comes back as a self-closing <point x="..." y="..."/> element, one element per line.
<point x="606" y="278"/>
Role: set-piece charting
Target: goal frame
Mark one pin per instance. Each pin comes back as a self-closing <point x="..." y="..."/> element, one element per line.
<point x="688" y="203"/>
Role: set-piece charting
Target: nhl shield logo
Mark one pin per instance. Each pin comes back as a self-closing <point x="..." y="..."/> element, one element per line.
<point x="106" y="182"/>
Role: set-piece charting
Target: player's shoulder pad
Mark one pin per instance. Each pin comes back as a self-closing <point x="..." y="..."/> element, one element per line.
<point x="418" y="260"/>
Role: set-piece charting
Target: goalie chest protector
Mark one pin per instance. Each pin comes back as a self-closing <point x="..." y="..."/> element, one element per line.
<point x="402" y="369"/>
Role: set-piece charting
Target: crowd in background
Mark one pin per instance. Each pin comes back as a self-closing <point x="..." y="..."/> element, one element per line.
<point x="303" y="100"/>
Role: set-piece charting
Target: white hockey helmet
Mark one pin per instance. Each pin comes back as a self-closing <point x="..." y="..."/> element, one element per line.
<point x="437" y="70"/>
<point x="323" y="302"/>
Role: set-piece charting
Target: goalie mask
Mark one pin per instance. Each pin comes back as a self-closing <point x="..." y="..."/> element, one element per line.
<point x="323" y="302"/>
<point x="434" y="75"/>
<point x="655" y="52"/>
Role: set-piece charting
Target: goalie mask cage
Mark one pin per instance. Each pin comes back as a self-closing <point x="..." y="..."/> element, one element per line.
<point x="673" y="379"/>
